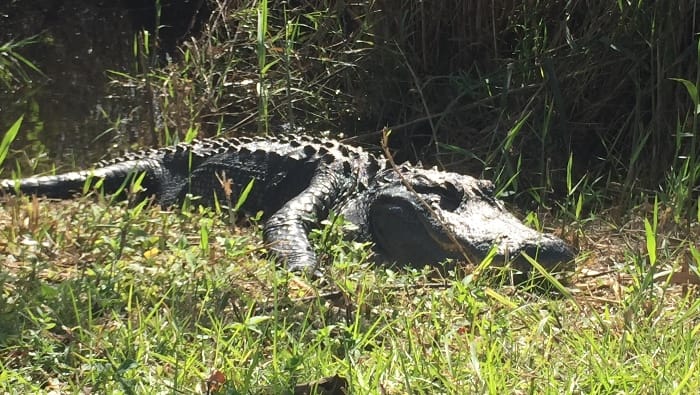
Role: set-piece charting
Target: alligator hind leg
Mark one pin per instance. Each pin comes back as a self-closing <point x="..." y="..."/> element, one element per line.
<point x="286" y="231"/>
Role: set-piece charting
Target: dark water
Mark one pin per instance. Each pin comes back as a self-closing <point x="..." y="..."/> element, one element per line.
<point x="74" y="113"/>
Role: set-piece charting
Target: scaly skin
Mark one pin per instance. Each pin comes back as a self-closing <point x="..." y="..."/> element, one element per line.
<point x="417" y="216"/>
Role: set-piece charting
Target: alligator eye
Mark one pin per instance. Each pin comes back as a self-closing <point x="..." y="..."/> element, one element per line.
<point x="451" y="198"/>
<point x="447" y="196"/>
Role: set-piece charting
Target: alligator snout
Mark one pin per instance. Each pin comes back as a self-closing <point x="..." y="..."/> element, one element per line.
<point x="550" y="252"/>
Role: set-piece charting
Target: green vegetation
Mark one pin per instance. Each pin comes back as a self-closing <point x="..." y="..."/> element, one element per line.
<point x="136" y="300"/>
<point x="586" y="112"/>
<point x="15" y="68"/>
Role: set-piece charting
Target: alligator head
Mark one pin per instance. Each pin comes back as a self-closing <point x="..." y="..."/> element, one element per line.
<point x="422" y="216"/>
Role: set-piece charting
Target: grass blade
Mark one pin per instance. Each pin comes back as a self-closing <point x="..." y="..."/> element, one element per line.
<point x="9" y="138"/>
<point x="244" y="195"/>
<point x="651" y="241"/>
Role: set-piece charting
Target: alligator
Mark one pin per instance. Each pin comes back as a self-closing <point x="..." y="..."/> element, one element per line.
<point x="413" y="215"/>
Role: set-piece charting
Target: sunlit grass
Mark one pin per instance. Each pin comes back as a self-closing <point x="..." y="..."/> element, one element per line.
<point x="107" y="297"/>
<point x="123" y="299"/>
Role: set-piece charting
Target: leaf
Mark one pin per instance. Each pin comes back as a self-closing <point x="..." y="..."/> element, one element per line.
<point x="502" y="299"/>
<point x="579" y="206"/>
<point x="569" y="177"/>
<point x="692" y="91"/>
<point x="252" y="323"/>
<point x="137" y="185"/>
<point x="695" y="254"/>
<point x="548" y="276"/>
<point x="256" y="320"/>
<point x="651" y="241"/>
<point x="152" y="253"/>
<point x="191" y="134"/>
<point x="9" y="138"/>
<point x="513" y="132"/>
<point x="244" y="195"/>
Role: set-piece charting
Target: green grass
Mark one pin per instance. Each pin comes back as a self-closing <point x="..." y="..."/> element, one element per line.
<point x="594" y="124"/>
<point x="138" y="300"/>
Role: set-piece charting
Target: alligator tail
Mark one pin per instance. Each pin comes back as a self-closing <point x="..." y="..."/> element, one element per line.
<point x="111" y="178"/>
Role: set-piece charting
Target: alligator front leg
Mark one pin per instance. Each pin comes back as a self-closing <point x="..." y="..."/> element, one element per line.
<point x="287" y="231"/>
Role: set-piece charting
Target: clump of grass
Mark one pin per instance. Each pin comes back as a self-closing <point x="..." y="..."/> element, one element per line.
<point x="15" y="68"/>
